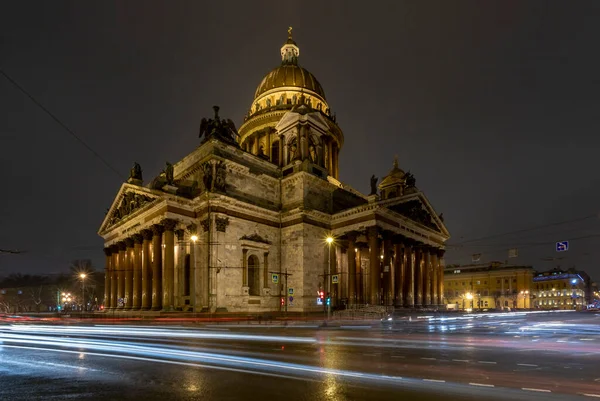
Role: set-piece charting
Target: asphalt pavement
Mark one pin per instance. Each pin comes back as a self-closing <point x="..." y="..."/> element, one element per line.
<point x="509" y="356"/>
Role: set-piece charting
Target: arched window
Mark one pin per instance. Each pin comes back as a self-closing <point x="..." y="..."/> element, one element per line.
<point x="275" y="152"/>
<point x="253" y="275"/>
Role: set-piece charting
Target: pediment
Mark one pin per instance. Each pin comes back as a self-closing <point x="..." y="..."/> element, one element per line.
<point x="128" y="202"/>
<point x="418" y="209"/>
<point x="255" y="238"/>
<point x="292" y="118"/>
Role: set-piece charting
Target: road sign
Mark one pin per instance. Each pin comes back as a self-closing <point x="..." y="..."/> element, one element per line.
<point x="290" y="291"/>
<point x="275" y="278"/>
<point x="335" y="279"/>
<point x="291" y="299"/>
<point x="562" y="246"/>
<point x="319" y="301"/>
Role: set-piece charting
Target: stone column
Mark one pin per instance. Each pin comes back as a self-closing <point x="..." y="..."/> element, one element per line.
<point x="146" y="270"/>
<point x="329" y="158"/>
<point x="409" y="274"/>
<point x="137" y="271"/>
<point x="351" y="254"/>
<point x="441" y="276"/>
<point x="334" y="160"/>
<point x="179" y="286"/>
<point x="399" y="264"/>
<point x="420" y="276"/>
<point x="281" y="163"/>
<point x="157" y="231"/>
<point x="374" y="267"/>
<point x="107" y="273"/>
<point x="121" y="276"/>
<point x="434" y="276"/>
<point x="266" y="270"/>
<point x="244" y="268"/>
<point x="269" y="146"/>
<point x="360" y="293"/>
<point x="387" y="276"/>
<point x="114" y="276"/>
<point x="129" y="273"/>
<point x="426" y="277"/>
<point x="169" y="267"/>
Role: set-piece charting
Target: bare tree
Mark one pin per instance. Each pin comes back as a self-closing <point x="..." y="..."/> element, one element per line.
<point x="35" y="294"/>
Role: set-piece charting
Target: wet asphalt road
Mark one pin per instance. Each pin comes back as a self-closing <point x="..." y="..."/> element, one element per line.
<point x="496" y="357"/>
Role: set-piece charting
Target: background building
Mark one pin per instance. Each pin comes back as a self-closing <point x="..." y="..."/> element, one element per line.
<point x="239" y="224"/>
<point x="562" y="289"/>
<point x="486" y="286"/>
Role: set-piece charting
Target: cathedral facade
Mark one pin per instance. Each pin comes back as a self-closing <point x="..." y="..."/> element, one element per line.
<point x="241" y="223"/>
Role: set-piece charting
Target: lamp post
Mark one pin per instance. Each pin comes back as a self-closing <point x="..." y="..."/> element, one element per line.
<point x="193" y="280"/>
<point x="329" y="242"/>
<point x="82" y="276"/>
<point x="525" y="295"/>
<point x="469" y="296"/>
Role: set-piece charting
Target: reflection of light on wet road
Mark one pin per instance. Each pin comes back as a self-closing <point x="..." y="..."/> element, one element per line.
<point x="333" y="357"/>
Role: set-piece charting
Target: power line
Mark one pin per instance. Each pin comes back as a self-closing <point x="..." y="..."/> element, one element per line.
<point x="73" y="134"/>
<point x="524" y="230"/>
<point x="536" y="244"/>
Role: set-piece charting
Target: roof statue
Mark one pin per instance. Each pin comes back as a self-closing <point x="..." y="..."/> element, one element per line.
<point x="373" y="185"/>
<point x="410" y="180"/>
<point x="136" y="171"/>
<point x="217" y="128"/>
<point x="169" y="173"/>
<point x="290" y="32"/>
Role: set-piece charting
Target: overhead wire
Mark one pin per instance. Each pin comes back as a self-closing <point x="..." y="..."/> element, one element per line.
<point x="523" y="230"/>
<point x="63" y="125"/>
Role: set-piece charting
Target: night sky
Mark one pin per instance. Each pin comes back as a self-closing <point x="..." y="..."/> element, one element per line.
<point x="493" y="106"/>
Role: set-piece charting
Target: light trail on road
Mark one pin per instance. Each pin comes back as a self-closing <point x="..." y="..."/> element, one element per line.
<point x="485" y="360"/>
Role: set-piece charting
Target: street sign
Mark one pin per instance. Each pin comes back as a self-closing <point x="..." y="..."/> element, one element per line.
<point x="319" y="301"/>
<point x="275" y="278"/>
<point x="290" y="291"/>
<point x="335" y="279"/>
<point x="562" y="246"/>
<point x="291" y="299"/>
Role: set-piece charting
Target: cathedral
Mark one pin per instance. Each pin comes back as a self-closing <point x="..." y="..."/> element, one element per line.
<point x="256" y="219"/>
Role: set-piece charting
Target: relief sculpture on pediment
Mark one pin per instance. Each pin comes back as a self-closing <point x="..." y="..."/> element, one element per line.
<point x="130" y="202"/>
<point x="415" y="211"/>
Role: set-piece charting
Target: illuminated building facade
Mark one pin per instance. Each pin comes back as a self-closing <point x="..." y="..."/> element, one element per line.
<point x="561" y="289"/>
<point x="488" y="286"/>
<point x="239" y="224"/>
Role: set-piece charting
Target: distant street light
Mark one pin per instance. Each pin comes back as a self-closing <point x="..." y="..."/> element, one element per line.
<point x="82" y="276"/>
<point x="329" y="241"/>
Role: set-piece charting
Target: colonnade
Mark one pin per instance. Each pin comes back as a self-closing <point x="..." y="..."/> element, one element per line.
<point x="275" y="149"/>
<point x="135" y="277"/>
<point x="401" y="271"/>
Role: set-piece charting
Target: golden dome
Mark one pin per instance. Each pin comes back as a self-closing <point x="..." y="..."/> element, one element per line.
<point x="290" y="75"/>
<point x="286" y="85"/>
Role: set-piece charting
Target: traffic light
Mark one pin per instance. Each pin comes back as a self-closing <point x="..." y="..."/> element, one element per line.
<point x="282" y="301"/>
<point x="328" y="299"/>
<point x="321" y="295"/>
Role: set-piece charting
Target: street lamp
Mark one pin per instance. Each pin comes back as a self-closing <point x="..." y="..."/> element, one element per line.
<point x="469" y="296"/>
<point x="82" y="276"/>
<point x="329" y="241"/>
<point x="525" y="295"/>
